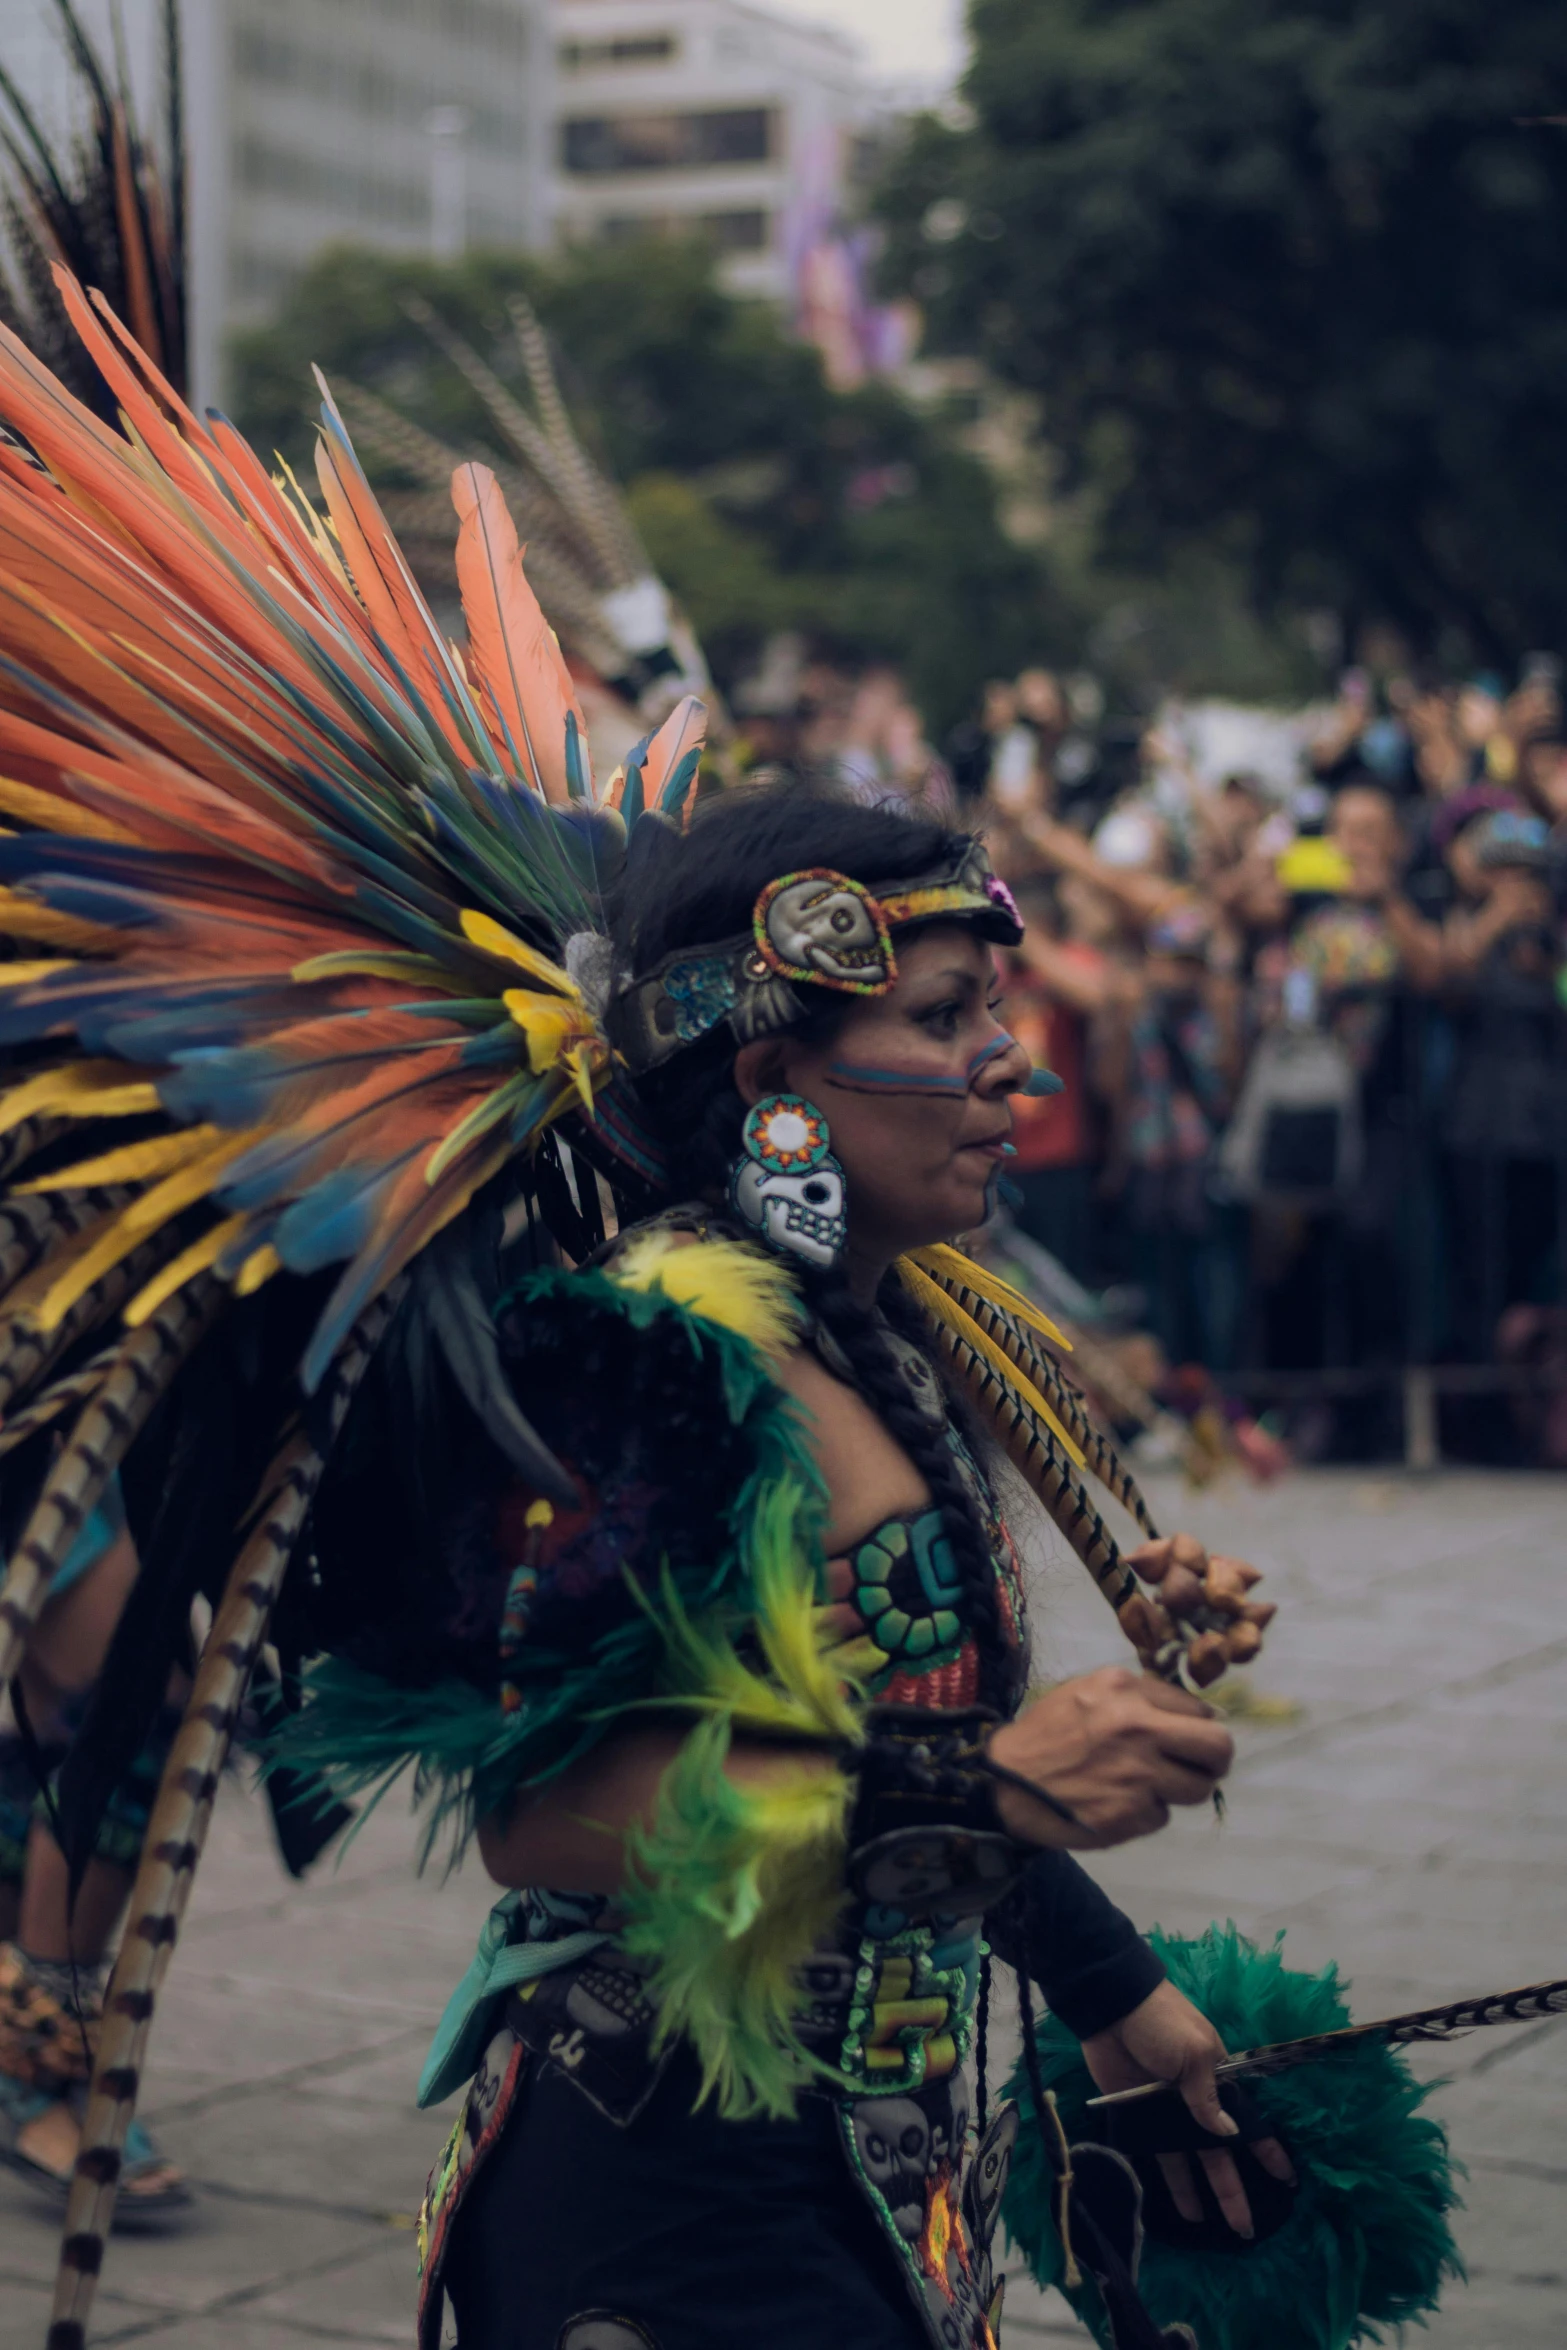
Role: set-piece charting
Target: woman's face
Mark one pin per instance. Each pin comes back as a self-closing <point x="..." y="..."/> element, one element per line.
<point x="914" y="1088"/>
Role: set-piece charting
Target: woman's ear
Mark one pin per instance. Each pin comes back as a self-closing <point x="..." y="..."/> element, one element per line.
<point x="760" y="1069"/>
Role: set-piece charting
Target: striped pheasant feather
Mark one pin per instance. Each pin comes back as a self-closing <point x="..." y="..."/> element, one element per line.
<point x="74" y="1387"/>
<point x="104" y="1432"/>
<point x="28" y="1354"/>
<point x="34" y="1230"/>
<point x="1534" y="2003"/>
<point x="178" y="1829"/>
<point x="1030" y="1445"/>
<point x="1022" y="1347"/>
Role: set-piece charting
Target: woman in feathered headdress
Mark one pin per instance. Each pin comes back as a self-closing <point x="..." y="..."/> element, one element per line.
<point x="534" y="1212"/>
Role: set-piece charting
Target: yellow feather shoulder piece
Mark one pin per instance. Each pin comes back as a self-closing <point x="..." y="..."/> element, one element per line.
<point x="722" y="1281"/>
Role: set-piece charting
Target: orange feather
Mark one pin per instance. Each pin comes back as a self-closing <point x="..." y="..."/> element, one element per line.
<point x="512" y="646"/>
<point x="682" y="730"/>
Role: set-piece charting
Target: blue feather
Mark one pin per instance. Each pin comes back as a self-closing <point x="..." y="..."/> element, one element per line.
<point x="337" y="1217"/>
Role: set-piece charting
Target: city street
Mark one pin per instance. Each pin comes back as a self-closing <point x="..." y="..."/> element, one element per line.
<point x="1404" y="1817"/>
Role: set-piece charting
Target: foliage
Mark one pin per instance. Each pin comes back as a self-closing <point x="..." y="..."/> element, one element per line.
<point x="767" y="499"/>
<point x="1290" y="277"/>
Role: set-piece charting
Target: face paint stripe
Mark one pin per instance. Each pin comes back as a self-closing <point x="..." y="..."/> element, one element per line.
<point x="865" y="1077"/>
<point x="990" y="1052"/>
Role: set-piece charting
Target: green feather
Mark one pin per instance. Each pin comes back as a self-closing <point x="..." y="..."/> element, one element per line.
<point x="1368" y="2243"/>
<point x="730" y="1890"/>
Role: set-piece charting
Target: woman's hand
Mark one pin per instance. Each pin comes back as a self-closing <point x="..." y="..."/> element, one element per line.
<point x="1167" y="2039"/>
<point x="1117" y="1749"/>
<point x="1189" y="1580"/>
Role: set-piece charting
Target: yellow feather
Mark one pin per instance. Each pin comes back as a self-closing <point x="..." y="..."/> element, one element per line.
<point x="719" y="1280"/>
<point x="133" y="1163"/>
<point x="191" y="1261"/>
<point x="23" y="974"/>
<point x="942" y="1308"/>
<point x="259" y="1266"/>
<point x="53" y="812"/>
<point x="950" y="1264"/>
<point x="87" y="1089"/>
<point x="418" y="970"/>
<point x="24" y="917"/>
<point x="481" y="931"/>
<point x="136" y="1223"/>
<point x="547" y="1021"/>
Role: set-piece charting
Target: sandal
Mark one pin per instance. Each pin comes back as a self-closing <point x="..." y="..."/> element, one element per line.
<point x="45" y="2060"/>
<point x="39" y="2137"/>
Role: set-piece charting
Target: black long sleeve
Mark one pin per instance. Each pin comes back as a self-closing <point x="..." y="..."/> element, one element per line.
<point x="1085" y="1954"/>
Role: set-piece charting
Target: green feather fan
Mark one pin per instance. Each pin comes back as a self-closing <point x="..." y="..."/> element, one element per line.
<point x="1368" y="2243"/>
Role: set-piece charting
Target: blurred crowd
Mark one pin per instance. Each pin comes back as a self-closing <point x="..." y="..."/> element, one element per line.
<point x="1311" y="1022"/>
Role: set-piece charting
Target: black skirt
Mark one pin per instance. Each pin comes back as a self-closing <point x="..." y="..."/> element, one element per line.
<point x="674" y="2231"/>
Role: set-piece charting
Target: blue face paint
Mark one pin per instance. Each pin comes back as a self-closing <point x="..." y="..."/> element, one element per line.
<point x="865" y="1077"/>
<point x="869" y="1077"/>
<point x="990" y="1052"/>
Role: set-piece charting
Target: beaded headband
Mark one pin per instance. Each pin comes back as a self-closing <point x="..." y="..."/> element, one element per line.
<point x="812" y="929"/>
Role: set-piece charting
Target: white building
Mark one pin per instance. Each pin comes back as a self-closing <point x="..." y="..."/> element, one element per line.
<point x="708" y="115"/>
<point x="418" y="125"/>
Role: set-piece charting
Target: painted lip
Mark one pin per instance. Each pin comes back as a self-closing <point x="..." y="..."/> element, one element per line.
<point x="993" y="1148"/>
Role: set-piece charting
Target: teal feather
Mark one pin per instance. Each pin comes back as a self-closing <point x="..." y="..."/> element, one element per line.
<point x="1368" y="2244"/>
<point x="672" y="799"/>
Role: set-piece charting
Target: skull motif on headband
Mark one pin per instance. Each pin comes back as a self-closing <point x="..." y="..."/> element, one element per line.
<point x="826" y="929"/>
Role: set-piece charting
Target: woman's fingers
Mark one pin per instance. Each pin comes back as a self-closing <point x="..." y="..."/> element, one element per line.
<point x="1271" y="2155"/>
<point x="1180" y="1783"/>
<point x="1225" y="2181"/>
<point x="1183" y="2187"/>
<point x="1228" y="2193"/>
<point x="1205" y="1743"/>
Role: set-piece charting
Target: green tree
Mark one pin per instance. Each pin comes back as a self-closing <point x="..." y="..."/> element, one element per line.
<point x="767" y="499"/>
<point x="1291" y="277"/>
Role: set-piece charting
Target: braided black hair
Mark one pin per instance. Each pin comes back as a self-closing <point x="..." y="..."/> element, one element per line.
<point x="690" y="888"/>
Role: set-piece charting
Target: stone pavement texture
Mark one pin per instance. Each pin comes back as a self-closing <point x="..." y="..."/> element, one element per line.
<point x="1408" y="1822"/>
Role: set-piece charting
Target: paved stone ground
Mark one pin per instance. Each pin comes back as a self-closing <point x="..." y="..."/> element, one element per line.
<point x="1409" y="1823"/>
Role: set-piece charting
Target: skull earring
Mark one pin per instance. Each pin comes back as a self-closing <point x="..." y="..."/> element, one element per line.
<point x="787" y="1185"/>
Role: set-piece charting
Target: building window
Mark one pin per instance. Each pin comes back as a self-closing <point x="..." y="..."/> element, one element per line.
<point x="630" y="49"/>
<point x="732" y="232"/>
<point x="600" y="144"/>
<point x="737" y="232"/>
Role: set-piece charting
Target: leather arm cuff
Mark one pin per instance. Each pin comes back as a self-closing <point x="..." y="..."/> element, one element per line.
<point x="924" y="1835"/>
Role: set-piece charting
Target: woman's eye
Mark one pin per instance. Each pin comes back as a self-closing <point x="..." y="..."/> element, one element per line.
<point x="941" y="1019"/>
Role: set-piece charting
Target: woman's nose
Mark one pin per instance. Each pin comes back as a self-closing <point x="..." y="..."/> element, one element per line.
<point x="1002" y="1067"/>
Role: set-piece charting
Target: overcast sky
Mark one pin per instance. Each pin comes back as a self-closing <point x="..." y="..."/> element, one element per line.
<point x="921" y="39"/>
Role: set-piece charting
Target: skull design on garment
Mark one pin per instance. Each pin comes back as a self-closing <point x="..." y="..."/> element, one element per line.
<point x="987" y="2177"/>
<point x="825" y="928"/>
<point x="600" y="2329"/>
<point x="801" y="1214"/>
<point x="892" y="2139"/>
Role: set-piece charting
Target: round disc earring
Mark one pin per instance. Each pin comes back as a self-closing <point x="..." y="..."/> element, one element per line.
<point x="786" y="1185"/>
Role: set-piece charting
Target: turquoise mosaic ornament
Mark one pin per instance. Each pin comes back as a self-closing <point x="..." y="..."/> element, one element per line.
<point x="907" y="1585"/>
<point x="702" y="993"/>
